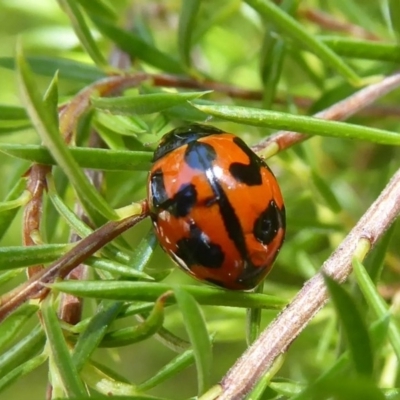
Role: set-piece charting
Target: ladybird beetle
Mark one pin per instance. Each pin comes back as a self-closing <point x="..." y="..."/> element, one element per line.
<point x="216" y="207"/>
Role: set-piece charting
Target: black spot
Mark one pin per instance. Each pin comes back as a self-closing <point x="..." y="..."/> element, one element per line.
<point x="200" y="156"/>
<point x="248" y="174"/>
<point x="183" y="201"/>
<point x="265" y="230"/>
<point x="181" y="136"/>
<point x="198" y="250"/>
<point x="268" y="223"/>
<point x="180" y="205"/>
<point x="158" y="192"/>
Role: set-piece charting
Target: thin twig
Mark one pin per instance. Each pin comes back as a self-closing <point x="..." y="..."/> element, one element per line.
<point x="70" y="113"/>
<point x="36" y="184"/>
<point x="278" y="336"/>
<point x="338" y="112"/>
<point x="35" y="286"/>
<point x="256" y="95"/>
<point x="70" y="308"/>
<point x="326" y="21"/>
<point x="381" y="111"/>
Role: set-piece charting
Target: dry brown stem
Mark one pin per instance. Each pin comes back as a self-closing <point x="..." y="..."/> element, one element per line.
<point x="36" y="185"/>
<point x="326" y="21"/>
<point x="35" y="286"/>
<point x="338" y="112"/>
<point x="278" y="336"/>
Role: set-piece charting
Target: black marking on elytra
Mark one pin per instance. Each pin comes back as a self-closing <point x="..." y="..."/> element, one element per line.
<point x="248" y="174"/>
<point x="250" y="276"/>
<point x="183" y="201"/>
<point x="198" y="250"/>
<point x="230" y="219"/>
<point x="199" y="156"/>
<point x="157" y="187"/>
<point x="265" y="231"/>
<point x="180" y="205"/>
<point x="267" y="225"/>
<point x="181" y="136"/>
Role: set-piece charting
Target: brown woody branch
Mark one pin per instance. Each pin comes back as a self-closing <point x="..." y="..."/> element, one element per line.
<point x="278" y="336"/>
<point x="35" y="286"/>
<point x="338" y="112"/>
<point x="71" y="112"/>
<point x="36" y="185"/>
<point x="326" y="21"/>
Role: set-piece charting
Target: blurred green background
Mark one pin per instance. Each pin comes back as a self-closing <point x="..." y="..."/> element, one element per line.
<point x="229" y="38"/>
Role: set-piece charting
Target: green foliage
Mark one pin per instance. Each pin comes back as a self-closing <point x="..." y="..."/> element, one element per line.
<point x="143" y="104"/>
<point x="307" y="125"/>
<point x="131" y="71"/>
<point x="354" y="329"/>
